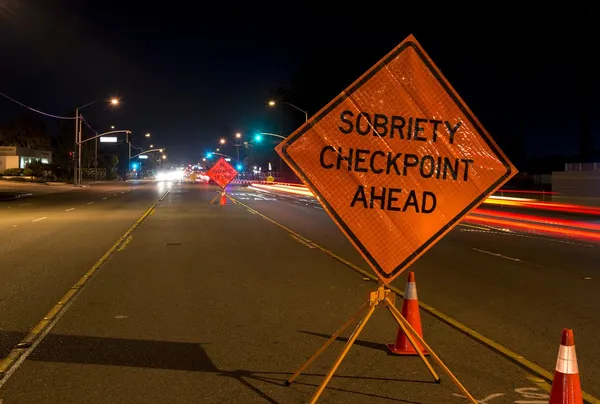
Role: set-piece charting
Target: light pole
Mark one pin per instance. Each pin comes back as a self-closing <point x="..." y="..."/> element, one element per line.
<point x="78" y="142"/>
<point x="146" y="152"/>
<point x="129" y="141"/>
<point x="219" y="154"/>
<point x="258" y="138"/>
<point x="238" y="136"/>
<point x="96" y="155"/>
<point x="222" y="142"/>
<point x="259" y="134"/>
<point x="273" y="103"/>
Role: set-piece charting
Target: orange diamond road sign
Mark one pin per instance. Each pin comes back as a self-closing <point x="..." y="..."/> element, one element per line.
<point x="222" y="173"/>
<point x="397" y="159"/>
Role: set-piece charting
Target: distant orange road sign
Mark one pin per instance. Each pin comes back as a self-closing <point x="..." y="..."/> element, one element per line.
<point x="397" y="159"/>
<point x="222" y="173"/>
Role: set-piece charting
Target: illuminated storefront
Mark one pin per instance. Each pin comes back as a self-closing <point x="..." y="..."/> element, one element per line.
<point x="18" y="157"/>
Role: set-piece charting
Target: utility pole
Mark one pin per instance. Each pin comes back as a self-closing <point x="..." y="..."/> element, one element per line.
<point x="129" y="155"/>
<point x="96" y="162"/>
<point x="281" y="133"/>
<point x="79" y="176"/>
<point x="75" y="173"/>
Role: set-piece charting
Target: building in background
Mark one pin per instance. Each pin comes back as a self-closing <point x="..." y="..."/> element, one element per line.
<point x="19" y="157"/>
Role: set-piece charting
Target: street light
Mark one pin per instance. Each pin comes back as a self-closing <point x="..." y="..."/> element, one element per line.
<point x="218" y="154"/>
<point x="273" y="103"/>
<point x="222" y="141"/>
<point x="151" y="146"/>
<point x="238" y="136"/>
<point x="147" y="135"/>
<point x="78" y="138"/>
<point x="258" y="139"/>
<point x="258" y="136"/>
<point x="146" y="152"/>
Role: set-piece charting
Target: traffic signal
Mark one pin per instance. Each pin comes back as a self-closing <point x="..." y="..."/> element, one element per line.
<point x="258" y="138"/>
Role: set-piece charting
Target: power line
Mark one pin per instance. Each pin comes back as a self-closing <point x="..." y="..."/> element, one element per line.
<point x="36" y="110"/>
<point x="87" y="124"/>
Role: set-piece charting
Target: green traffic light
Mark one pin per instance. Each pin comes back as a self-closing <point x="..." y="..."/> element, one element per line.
<point x="258" y="138"/>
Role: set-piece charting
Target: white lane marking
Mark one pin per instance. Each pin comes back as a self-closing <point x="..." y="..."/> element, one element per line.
<point x="122" y="192"/>
<point x="114" y="194"/>
<point x="70" y="209"/>
<point x="484" y="400"/>
<point x="548" y="238"/>
<point x="41" y="218"/>
<point x="104" y="197"/>
<point x="89" y="203"/>
<point x="532" y="395"/>
<point x="497" y="255"/>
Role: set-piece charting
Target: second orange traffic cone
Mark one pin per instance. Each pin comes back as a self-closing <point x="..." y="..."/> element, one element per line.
<point x="223" y="200"/>
<point x="410" y="311"/>
<point x="566" y="387"/>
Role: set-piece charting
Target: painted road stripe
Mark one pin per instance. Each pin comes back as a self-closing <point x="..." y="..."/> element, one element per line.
<point x="23" y="349"/>
<point x="126" y="242"/>
<point x="497" y="255"/>
<point x="474" y="227"/>
<point x="38" y="219"/>
<point x="528" y="365"/>
<point x="70" y="209"/>
<point x="302" y="241"/>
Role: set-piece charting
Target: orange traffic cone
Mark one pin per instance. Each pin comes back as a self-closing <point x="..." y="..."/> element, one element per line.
<point x="566" y="387"/>
<point x="410" y="311"/>
<point x="223" y="200"/>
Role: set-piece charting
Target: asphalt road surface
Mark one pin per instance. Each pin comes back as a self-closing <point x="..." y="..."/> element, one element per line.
<point x="50" y="239"/>
<point x="518" y="289"/>
<point x="214" y="304"/>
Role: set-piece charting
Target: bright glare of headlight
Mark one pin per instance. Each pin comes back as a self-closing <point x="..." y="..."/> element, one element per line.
<point x="170" y="176"/>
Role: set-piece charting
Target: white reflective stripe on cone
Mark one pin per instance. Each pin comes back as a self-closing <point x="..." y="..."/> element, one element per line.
<point x="567" y="360"/>
<point x="411" y="291"/>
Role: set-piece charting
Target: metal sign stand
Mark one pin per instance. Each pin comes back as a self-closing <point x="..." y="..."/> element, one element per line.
<point x="386" y="297"/>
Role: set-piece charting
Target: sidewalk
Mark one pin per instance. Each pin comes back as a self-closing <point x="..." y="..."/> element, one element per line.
<point x="10" y="190"/>
<point x="213" y="304"/>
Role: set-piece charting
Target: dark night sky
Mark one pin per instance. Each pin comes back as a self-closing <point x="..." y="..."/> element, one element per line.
<point x="190" y="75"/>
